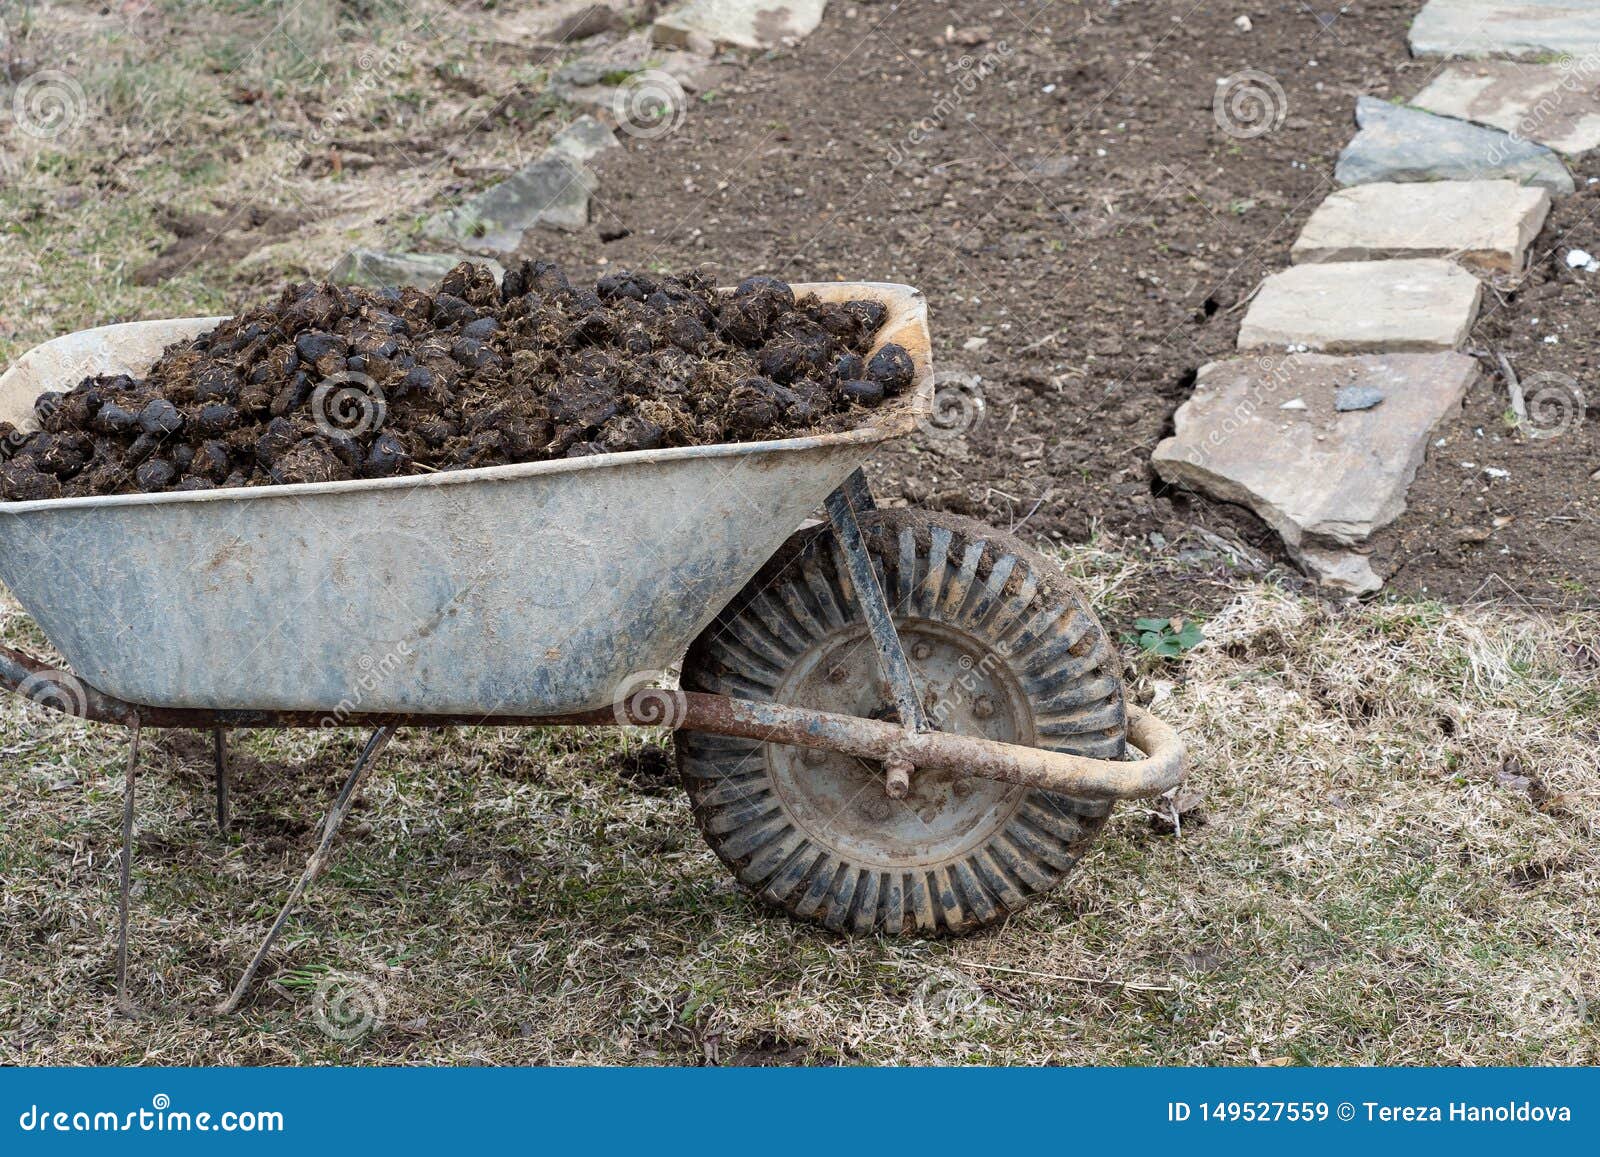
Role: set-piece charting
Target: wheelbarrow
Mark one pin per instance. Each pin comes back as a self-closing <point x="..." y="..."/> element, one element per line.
<point x="889" y="722"/>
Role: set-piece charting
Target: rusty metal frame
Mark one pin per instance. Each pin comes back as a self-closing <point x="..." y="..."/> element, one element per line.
<point x="843" y="506"/>
<point x="1075" y="775"/>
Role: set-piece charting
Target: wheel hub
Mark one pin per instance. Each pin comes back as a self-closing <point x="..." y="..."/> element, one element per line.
<point x="840" y="800"/>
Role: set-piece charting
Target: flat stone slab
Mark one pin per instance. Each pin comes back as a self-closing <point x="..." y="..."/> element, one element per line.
<point x="1358" y="306"/>
<point x="1487" y="224"/>
<point x="606" y="78"/>
<point x="1324" y="480"/>
<point x="381" y="267"/>
<point x="1404" y="144"/>
<point x="739" y="23"/>
<point x="1506" y="28"/>
<point x="584" y="140"/>
<point x="553" y="191"/>
<point x="1555" y="105"/>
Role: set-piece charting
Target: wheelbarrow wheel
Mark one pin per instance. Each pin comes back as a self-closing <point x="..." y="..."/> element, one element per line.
<point x="1000" y="645"/>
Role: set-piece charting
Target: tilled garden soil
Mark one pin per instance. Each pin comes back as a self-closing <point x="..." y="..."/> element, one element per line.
<point x="1053" y="177"/>
<point x="331" y="383"/>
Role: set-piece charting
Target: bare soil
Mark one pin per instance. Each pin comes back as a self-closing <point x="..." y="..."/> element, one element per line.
<point x="331" y="383"/>
<point x="1053" y="177"/>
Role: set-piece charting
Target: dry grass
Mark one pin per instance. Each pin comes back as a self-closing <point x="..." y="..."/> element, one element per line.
<point x="350" y="120"/>
<point x="1393" y="863"/>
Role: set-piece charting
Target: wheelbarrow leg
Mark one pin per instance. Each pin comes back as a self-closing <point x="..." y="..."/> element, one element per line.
<point x="219" y="752"/>
<point x="318" y="861"/>
<point x="130" y="776"/>
<point x="843" y="505"/>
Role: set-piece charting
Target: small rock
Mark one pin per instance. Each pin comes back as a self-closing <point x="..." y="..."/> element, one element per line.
<point x="587" y="22"/>
<point x="739" y="23"/>
<point x="1345" y="571"/>
<point x="553" y="191"/>
<point x="969" y="37"/>
<point x="1294" y="404"/>
<point x="584" y="139"/>
<point x="380" y="268"/>
<point x="582" y="73"/>
<point x="1582" y="259"/>
<point x="1242" y="23"/>
<point x="973" y="344"/>
<point x="1053" y="167"/>
<point x="1350" y="398"/>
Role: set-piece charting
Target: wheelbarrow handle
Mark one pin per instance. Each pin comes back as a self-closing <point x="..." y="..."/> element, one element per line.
<point x="1161" y="769"/>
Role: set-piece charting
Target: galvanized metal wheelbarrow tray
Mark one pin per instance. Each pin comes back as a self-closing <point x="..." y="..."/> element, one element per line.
<point x="540" y="594"/>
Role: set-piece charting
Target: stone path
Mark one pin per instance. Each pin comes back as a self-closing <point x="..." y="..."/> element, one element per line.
<point x="1506" y="28"/>
<point x="1349" y="306"/>
<point x="1324" y="448"/>
<point x="1267" y="434"/>
<point x="1403" y="144"/>
<point x="1554" y="105"/>
<point x="636" y="80"/>
<point x="1486" y="224"/>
